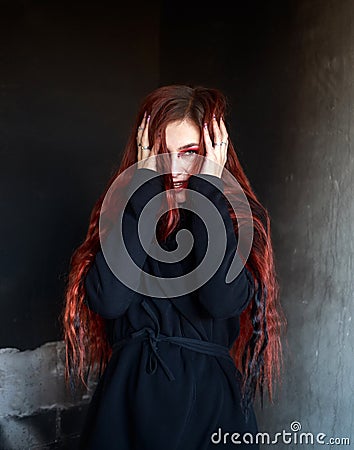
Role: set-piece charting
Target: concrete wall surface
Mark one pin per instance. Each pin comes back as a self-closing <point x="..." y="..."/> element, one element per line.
<point x="38" y="410"/>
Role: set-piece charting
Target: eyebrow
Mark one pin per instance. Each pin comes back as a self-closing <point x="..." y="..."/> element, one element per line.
<point x="193" y="144"/>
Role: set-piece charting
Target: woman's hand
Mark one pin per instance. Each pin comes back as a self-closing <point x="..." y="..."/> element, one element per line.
<point x="216" y="153"/>
<point x="145" y="152"/>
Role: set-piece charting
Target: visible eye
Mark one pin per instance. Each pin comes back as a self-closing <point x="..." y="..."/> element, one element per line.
<point x="191" y="152"/>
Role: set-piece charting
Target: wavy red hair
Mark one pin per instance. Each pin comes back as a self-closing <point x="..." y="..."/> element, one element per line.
<point x="258" y="350"/>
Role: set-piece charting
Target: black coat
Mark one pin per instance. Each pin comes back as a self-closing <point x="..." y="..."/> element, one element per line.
<point x="170" y="383"/>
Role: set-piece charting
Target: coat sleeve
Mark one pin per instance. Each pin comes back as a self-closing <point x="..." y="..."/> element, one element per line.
<point x="105" y="293"/>
<point x="222" y="300"/>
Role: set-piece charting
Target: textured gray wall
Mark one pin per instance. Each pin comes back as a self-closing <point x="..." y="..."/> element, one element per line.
<point x="36" y="409"/>
<point x="309" y="187"/>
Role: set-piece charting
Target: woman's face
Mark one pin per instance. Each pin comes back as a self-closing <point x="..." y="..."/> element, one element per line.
<point x="182" y="140"/>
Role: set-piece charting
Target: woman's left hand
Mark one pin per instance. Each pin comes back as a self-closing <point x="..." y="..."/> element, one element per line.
<point x="216" y="153"/>
<point x="146" y="154"/>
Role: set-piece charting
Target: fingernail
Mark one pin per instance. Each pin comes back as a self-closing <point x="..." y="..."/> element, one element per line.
<point x="214" y="117"/>
<point x="205" y="125"/>
<point x="149" y="117"/>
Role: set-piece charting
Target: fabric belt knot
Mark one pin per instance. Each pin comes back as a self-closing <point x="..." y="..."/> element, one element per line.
<point x="154" y="357"/>
<point x="154" y="337"/>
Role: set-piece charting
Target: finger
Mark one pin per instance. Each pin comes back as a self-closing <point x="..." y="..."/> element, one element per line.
<point x="217" y="133"/>
<point x="145" y="134"/>
<point x="144" y="142"/>
<point x="143" y="122"/>
<point x="224" y="136"/>
<point x="141" y="128"/>
<point x="224" y="133"/>
<point x="207" y="139"/>
<point x="139" y="135"/>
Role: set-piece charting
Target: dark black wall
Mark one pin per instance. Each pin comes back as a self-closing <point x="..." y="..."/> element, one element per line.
<point x="72" y="75"/>
<point x="233" y="46"/>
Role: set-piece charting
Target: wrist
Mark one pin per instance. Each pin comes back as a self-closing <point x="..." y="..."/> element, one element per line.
<point x="212" y="168"/>
<point x="146" y="164"/>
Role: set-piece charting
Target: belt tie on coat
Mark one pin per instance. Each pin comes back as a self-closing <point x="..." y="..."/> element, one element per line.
<point x="153" y="336"/>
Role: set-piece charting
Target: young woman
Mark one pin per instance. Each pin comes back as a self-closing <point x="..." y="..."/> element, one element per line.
<point x="182" y="362"/>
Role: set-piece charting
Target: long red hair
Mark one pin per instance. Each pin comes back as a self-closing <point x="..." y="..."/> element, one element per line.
<point x="257" y="352"/>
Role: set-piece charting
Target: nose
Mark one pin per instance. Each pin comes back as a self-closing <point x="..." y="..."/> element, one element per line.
<point x="177" y="166"/>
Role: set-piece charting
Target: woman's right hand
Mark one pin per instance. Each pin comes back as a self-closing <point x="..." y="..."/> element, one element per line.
<point x="145" y="152"/>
